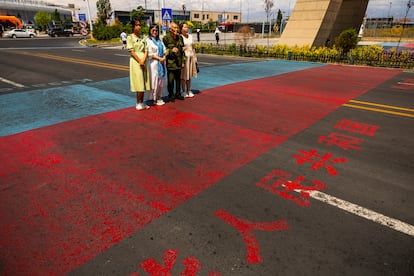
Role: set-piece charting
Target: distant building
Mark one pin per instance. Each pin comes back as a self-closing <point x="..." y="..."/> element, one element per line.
<point x="221" y="17"/>
<point x="204" y="17"/>
<point x="25" y="10"/>
<point x="379" y="23"/>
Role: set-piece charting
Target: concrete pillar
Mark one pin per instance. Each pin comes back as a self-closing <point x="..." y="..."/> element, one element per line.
<point x="313" y="22"/>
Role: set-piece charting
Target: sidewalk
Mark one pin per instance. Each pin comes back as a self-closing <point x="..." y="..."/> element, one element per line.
<point x="230" y="38"/>
<point x="225" y="39"/>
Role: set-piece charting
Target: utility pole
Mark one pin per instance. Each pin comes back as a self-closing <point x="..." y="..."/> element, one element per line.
<point x="202" y="12"/>
<point x="389" y="10"/>
<point x="409" y="5"/>
<point x="241" y="10"/>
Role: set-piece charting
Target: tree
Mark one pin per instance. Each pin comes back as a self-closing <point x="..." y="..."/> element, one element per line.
<point x="279" y="18"/>
<point x="42" y="19"/>
<point x="268" y="5"/>
<point x="138" y="13"/>
<point x="347" y="40"/>
<point x="104" y="11"/>
<point x="55" y="16"/>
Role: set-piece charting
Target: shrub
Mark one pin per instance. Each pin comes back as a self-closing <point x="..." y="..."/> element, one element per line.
<point x="104" y="32"/>
<point x="367" y="52"/>
<point x="347" y="40"/>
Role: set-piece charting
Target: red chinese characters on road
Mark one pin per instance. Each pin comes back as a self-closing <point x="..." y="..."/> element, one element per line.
<point x="283" y="183"/>
<point x="280" y="183"/>
<point x="246" y="228"/>
<point x="319" y="161"/>
<point x="153" y="268"/>
<point x="357" y="127"/>
<point x="343" y="141"/>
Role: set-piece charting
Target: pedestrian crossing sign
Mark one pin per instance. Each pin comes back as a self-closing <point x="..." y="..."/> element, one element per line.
<point x="166" y="14"/>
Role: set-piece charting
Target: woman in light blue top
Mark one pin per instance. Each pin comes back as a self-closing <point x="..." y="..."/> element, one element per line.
<point x="157" y="58"/>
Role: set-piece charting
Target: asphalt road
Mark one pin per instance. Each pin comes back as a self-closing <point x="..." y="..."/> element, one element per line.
<point x="45" y="61"/>
<point x="274" y="168"/>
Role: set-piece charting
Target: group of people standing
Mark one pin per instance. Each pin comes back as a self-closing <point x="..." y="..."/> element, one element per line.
<point x="155" y="61"/>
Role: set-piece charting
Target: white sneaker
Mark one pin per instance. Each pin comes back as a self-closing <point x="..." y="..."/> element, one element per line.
<point x="160" y="102"/>
<point x="190" y="94"/>
<point x="139" y="106"/>
<point x="186" y="95"/>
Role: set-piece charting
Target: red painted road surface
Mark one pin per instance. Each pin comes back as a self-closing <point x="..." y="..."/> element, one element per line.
<point x="70" y="191"/>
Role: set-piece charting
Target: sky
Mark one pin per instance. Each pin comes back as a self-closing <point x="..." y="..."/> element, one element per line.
<point x="252" y="10"/>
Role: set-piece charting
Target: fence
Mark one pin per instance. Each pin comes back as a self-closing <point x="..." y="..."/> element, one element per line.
<point x="403" y="59"/>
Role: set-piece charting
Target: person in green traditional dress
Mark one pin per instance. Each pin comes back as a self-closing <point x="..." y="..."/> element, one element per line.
<point x="139" y="73"/>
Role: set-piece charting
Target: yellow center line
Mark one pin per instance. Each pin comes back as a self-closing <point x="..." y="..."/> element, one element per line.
<point x="383" y="105"/>
<point x="380" y="110"/>
<point x="76" y="60"/>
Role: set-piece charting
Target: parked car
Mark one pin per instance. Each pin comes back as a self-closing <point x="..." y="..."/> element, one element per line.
<point x="59" y="32"/>
<point x="20" y="33"/>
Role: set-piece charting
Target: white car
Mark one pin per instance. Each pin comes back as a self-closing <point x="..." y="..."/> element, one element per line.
<point x="20" y="33"/>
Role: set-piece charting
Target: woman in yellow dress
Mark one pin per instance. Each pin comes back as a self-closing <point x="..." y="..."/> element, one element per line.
<point x="139" y="73"/>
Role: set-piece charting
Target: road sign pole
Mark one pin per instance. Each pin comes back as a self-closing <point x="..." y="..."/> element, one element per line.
<point x="90" y="19"/>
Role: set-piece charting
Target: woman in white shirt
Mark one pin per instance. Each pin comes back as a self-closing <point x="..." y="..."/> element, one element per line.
<point x="157" y="57"/>
<point x="189" y="69"/>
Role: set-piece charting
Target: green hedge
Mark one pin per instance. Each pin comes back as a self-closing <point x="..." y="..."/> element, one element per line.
<point x="372" y="55"/>
<point x="102" y="32"/>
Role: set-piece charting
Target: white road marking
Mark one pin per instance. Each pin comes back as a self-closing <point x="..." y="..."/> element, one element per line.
<point x="11" y="82"/>
<point x="405" y="83"/>
<point x="352" y="208"/>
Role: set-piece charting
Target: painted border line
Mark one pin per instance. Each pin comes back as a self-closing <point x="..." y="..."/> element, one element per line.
<point x="360" y="211"/>
<point x="11" y="82"/>
<point x="405" y="83"/>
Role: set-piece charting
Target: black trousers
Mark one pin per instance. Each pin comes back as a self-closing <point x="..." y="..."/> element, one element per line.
<point x="174" y="79"/>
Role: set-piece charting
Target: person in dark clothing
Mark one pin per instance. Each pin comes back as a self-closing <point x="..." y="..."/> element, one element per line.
<point x="217" y="35"/>
<point x="175" y="61"/>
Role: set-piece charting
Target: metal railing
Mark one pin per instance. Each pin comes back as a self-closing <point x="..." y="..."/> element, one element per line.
<point x="383" y="59"/>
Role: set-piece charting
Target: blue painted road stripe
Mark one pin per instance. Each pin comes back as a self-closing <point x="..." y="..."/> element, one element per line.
<point x="24" y="111"/>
